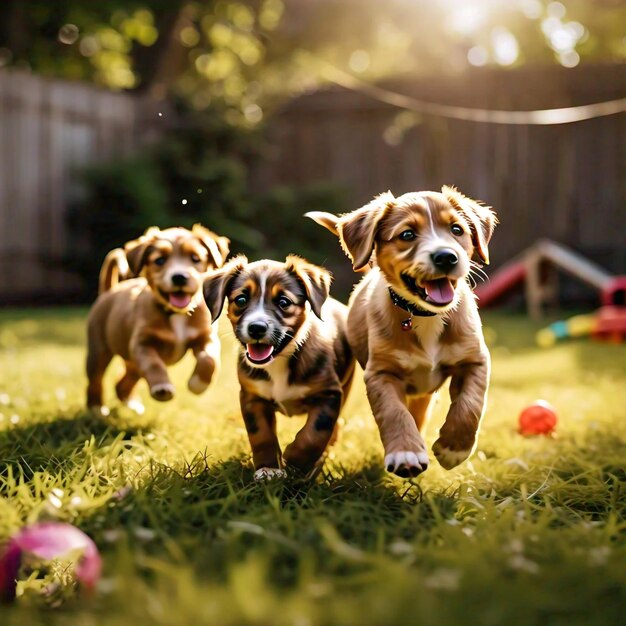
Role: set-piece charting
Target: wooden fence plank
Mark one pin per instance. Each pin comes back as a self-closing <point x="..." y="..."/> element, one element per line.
<point x="49" y="130"/>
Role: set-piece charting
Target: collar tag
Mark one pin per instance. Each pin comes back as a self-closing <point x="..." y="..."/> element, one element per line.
<point x="406" y="324"/>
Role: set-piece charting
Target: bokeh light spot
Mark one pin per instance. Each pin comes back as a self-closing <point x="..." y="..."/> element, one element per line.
<point x="359" y="61"/>
<point x="556" y="9"/>
<point x="571" y="58"/>
<point x="505" y="46"/>
<point x="467" y="19"/>
<point x="189" y="36"/>
<point x="253" y="113"/>
<point x="532" y="9"/>
<point x="68" y="34"/>
<point x="88" y="46"/>
<point x="478" y="56"/>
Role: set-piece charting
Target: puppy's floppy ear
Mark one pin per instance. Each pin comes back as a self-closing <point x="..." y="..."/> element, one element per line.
<point x="357" y="230"/>
<point x="137" y="250"/>
<point x="217" y="247"/>
<point x="327" y="220"/>
<point x="217" y="284"/>
<point x="223" y="243"/>
<point x="482" y="219"/>
<point x="316" y="281"/>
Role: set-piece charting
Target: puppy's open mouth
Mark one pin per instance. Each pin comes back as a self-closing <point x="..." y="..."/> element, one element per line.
<point x="439" y="292"/>
<point x="177" y="299"/>
<point x="259" y="353"/>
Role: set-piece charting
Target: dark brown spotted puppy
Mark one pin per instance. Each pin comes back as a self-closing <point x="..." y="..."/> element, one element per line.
<point x="413" y="320"/>
<point x="295" y="356"/>
<point x="155" y="314"/>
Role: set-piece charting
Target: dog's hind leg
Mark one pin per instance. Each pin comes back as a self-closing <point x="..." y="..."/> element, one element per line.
<point x="346" y="385"/>
<point x="317" y="433"/>
<point x="125" y="386"/>
<point x="207" y="353"/>
<point x="98" y="359"/>
<point x="152" y="368"/>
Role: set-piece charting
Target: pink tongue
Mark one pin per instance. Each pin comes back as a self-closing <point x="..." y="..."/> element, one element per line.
<point x="180" y="300"/>
<point x="259" y="351"/>
<point x="440" y="291"/>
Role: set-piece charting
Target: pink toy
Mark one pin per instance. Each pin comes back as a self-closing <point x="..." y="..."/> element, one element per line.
<point x="48" y="541"/>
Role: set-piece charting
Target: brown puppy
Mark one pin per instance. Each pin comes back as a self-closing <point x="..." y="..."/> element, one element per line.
<point x="413" y="320"/>
<point x="294" y="358"/>
<point x="152" y="320"/>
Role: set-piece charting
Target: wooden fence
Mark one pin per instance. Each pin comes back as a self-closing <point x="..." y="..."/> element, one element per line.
<point x="564" y="182"/>
<point x="48" y="130"/>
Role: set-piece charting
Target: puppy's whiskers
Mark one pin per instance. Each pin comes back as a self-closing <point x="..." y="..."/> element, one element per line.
<point x="473" y="275"/>
<point x="291" y="336"/>
<point x="477" y="269"/>
<point x="479" y="272"/>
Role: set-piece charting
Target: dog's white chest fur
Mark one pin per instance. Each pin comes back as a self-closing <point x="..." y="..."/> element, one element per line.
<point x="428" y="331"/>
<point x="420" y="364"/>
<point x="278" y="388"/>
<point x="179" y="323"/>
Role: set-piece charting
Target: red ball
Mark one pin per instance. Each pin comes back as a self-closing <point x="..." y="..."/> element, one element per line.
<point x="539" y="418"/>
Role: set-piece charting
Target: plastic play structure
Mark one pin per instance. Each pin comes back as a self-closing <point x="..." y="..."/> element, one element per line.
<point x="534" y="269"/>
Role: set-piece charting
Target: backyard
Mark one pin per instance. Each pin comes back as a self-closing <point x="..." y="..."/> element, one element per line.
<point x="529" y="532"/>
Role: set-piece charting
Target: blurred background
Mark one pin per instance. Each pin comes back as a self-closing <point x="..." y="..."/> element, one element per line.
<point x="118" y="114"/>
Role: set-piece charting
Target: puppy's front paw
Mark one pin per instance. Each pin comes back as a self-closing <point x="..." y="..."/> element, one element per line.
<point x="447" y="457"/>
<point x="99" y="411"/>
<point x="264" y="474"/>
<point x="162" y="392"/>
<point x="197" y="385"/>
<point x="406" y="463"/>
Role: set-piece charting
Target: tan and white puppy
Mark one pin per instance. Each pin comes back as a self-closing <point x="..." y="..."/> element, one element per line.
<point x="294" y="357"/>
<point x="151" y="320"/>
<point x="413" y="320"/>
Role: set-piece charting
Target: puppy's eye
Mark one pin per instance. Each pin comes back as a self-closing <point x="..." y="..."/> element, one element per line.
<point x="284" y="302"/>
<point x="160" y="261"/>
<point x="195" y="258"/>
<point x="407" y="235"/>
<point x="241" y="300"/>
<point x="456" y="229"/>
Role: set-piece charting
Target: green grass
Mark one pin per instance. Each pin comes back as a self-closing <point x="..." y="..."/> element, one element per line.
<point x="530" y="532"/>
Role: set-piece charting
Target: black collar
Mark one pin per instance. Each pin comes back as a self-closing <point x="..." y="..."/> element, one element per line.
<point x="409" y="307"/>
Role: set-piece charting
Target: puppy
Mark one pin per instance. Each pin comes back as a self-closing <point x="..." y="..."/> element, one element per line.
<point x="294" y="357"/>
<point x="152" y="320"/>
<point x="413" y="320"/>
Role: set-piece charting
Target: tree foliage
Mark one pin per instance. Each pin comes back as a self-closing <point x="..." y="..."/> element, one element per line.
<point x="197" y="172"/>
<point x="247" y="55"/>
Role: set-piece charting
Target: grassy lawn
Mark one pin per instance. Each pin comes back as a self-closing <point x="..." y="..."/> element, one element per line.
<point x="530" y="532"/>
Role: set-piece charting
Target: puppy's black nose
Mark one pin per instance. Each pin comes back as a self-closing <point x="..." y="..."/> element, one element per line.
<point x="180" y="280"/>
<point x="445" y="259"/>
<point x="257" y="330"/>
